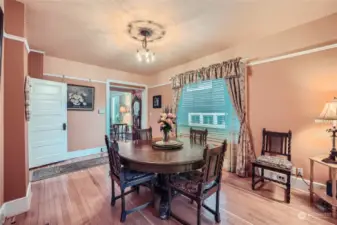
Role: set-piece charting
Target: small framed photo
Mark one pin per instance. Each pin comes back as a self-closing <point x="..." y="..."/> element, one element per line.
<point x="81" y="98"/>
<point x="157" y="102"/>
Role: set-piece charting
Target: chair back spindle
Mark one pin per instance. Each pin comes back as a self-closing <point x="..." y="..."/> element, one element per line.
<point x="277" y="143"/>
<point x="143" y="134"/>
<point x="114" y="158"/>
<point x="198" y="134"/>
<point x="212" y="171"/>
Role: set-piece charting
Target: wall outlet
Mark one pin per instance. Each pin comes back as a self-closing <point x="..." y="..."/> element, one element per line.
<point x="300" y="171"/>
<point x="293" y="171"/>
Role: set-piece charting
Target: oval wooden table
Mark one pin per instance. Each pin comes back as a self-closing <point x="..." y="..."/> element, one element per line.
<point x="140" y="156"/>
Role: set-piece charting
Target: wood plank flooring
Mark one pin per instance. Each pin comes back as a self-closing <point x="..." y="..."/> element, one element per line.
<point x="83" y="198"/>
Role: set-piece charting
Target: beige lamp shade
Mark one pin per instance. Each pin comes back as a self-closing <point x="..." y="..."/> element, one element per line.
<point x="329" y="112"/>
<point x="123" y="109"/>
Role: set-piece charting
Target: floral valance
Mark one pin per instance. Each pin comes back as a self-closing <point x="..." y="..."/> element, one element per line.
<point x="225" y="69"/>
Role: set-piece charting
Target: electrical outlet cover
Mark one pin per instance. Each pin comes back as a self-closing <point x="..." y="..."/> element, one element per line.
<point x="293" y="171"/>
<point x="300" y="171"/>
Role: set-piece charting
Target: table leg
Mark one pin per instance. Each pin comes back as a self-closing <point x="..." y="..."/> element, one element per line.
<point x="162" y="183"/>
<point x="334" y="201"/>
<point x="311" y="188"/>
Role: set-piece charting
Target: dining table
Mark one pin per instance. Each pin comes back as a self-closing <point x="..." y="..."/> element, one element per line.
<point x="142" y="156"/>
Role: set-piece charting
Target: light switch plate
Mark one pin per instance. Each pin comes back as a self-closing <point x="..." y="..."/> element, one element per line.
<point x="101" y="111"/>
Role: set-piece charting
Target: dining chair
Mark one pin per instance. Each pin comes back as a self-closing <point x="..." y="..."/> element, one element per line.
<point x="143" y="134"/>
<point x="199" y="185"/>
<point x="125" y="178"/>
<point x="198" y="135"/>
<point x="275" y="156"/>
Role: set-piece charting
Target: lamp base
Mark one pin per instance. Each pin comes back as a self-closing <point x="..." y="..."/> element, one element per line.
<point x="332" y="157"/>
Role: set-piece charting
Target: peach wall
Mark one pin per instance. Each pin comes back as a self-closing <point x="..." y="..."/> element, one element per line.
<point x="86" y="129"/>
<point x="35" y="65"/>
<point x="290" y="94"/>
<point x="14" y="18"/>
<point x="15" y="174"/>
<point x="1" y="134"/>
<point x="77" y="69"/>
<point x="15" y="151"/>
<point x="319" y="32"/>
<point x="166" y="93"/>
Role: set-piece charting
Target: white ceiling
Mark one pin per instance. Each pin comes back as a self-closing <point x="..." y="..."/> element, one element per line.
<point x="95" y="31"/>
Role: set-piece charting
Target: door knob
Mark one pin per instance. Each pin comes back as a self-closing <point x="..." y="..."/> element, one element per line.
<point x="64" y="126"/>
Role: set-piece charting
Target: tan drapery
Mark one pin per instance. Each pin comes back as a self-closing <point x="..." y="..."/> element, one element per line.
<point x="233" y="71"/>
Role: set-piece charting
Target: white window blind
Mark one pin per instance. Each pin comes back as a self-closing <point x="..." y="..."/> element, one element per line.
<point x="207" y="104"/>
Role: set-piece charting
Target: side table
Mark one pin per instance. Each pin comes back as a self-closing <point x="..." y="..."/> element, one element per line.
<point x="319" y="192"/>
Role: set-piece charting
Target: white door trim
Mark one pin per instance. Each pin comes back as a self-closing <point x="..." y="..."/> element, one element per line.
<point x="107" y="103"/>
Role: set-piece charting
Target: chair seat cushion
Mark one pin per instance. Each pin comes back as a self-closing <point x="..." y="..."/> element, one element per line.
<point x="188" y="182"/>
<point x="274" y="161"/>
<point x="132" y="175"/>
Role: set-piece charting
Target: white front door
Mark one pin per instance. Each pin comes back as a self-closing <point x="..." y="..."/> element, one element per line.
<point x="47" y="128"/>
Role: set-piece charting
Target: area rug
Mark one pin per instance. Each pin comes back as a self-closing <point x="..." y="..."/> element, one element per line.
<point x="57" y="170"/>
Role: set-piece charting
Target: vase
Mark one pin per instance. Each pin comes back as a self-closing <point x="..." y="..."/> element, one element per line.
<point x="166" y="136"/>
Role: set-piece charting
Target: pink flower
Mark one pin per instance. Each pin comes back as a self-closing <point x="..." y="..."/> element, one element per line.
<point x="169" y="121"/>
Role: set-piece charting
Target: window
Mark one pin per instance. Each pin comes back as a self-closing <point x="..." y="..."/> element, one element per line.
<point x="207" y="104"/>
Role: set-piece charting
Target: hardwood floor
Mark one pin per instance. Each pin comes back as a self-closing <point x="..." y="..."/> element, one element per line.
<point x="83" y="198"/>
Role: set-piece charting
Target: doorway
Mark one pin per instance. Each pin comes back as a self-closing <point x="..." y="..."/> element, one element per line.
<point x="126" y="109"/>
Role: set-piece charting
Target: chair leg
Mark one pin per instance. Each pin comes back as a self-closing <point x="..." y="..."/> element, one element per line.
<point x="123" y="214"/>
<point x="153" y="193"/>
<point x="199" y="213"/>
<point x="113" y="200"/>
<point x="253" y="178"/>
<point x="288" y="189"/>
<point x="217" y="206"/>
<point x="169" y="202"/>
<point x="262" y="174"/>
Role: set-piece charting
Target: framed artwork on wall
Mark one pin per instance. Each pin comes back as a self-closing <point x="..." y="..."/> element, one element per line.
<point x="81" y="98"/>
<point x="157" y="102"/>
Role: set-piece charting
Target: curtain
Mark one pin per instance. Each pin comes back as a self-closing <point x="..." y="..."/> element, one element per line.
<point x="234" y="73"/>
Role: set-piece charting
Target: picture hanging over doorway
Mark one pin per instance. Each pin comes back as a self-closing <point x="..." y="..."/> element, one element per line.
<point x="80" y="98"/>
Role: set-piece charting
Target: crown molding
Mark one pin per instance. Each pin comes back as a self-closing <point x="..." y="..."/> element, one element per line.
<point x="17" y="38"/>
<point x="159" y="85"/>
<point x="23" y="40"/>
<point x="38" y="51"/>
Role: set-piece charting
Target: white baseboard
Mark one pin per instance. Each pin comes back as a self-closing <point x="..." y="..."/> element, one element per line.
<point x="302" y="184"/>
<point x="85" y="152"/>
<point x="18" y="206"/>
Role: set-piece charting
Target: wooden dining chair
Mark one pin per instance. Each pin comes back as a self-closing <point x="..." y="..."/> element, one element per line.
<point x="143" y="134"/>
<point x="125" y="178"/>
<point x="199" y="185"/>
<point x="276" y="157"/>
<point x="198" y="135"/>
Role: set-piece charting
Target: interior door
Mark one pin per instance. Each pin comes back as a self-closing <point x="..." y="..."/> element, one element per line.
<point x="47" y="128"/>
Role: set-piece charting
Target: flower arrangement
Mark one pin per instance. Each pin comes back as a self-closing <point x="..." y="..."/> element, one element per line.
<point x="166" y="122"/>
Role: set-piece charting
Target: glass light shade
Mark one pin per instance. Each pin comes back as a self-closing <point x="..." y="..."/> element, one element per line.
<point x="329" y="112"/>
<point x="145" y="55"/>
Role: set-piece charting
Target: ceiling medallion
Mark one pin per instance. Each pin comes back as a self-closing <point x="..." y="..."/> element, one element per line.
<point x="145" y="31"/>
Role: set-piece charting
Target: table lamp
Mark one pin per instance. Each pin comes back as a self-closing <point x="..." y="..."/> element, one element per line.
<point x="329" y="114"/>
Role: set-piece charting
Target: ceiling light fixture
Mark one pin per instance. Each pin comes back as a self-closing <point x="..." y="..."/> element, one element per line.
<point x="144" y="54"/>
<point x="145" y="31"/>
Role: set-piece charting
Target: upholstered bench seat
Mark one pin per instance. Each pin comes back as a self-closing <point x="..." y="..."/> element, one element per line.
<point x="274" y="161"/>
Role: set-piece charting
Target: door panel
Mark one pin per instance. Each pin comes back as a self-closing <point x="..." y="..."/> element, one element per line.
<point x="47" y="138"/>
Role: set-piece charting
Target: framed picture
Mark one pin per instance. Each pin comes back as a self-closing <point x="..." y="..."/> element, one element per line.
<point x="80" y="98"/>
<point x="157" y="102"/>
